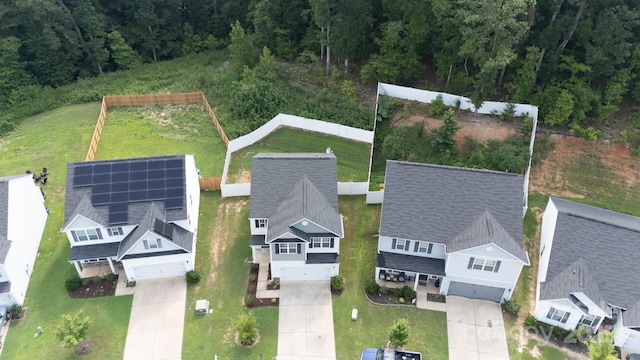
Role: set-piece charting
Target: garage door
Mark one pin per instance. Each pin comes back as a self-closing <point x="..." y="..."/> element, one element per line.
<point x="159" y="271"/>
<point x="305" y="273"/>
<point x="474" y="291"/>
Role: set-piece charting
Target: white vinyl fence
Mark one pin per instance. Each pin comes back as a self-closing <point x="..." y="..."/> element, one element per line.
<point x="488" y="107"/>
<point x="347" y="132"/>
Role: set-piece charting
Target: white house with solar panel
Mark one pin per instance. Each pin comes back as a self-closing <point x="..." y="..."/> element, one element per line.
<point x="22" y="221"/>
<point x="136" y="215"/>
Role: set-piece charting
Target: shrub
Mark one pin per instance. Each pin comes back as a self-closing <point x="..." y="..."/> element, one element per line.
<point x="248" y="300"/>
<point x="85" y="282"/>
<point x="511" y="306"/>
<point x="399" y="333"/>
<point x="437" y="107"/>
<point x="337" y="283"/>
<point x="193" y="277"/>
<point x="527" y="125"/>
<point x="530" y="321"/>
<point x="252" y="277"/>
<point x="401" y="300"/>
<point x="72" y="282"/>
<point x="73" y="329"/>
<point x="110" y="276"/>
<point x="508" y="113"/>
<point x="252" y="288"/>
<point x="559" y="333"/>
<point x="275" y="283"/>
<point x="255" y="267"/>
<point x="96" y="279"/>
<point x="15" y="310"/>
<point x="371" y="287"/>
<point x="247" y="327"/>
<point x="386" y="106"/>
<point x="397" y="292"/>
<point x="408" y="293"/>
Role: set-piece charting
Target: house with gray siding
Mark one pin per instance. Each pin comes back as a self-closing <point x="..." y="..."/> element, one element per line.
<point x="588" y="258"/>
<point x="293" y="214"/>
<point x="459" y="228"/>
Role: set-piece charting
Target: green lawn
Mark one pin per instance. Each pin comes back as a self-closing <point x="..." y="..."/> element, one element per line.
<point x="52" y="139"/>
<point x="163" y="130"/>
<point x="428" y="329"/>
<point x="352" y="156"/>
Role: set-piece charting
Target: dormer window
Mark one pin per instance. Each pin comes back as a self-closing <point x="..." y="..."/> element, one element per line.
<point x="115" y="231"/>
<point x="85" y="235"/>
<point x="152" y="244"/>
<point x="261" y="223"/>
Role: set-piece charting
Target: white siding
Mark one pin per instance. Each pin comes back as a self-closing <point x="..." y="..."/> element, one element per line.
<point x="490" y="251"/>
<point x="27" y="218"/>
<point x="193" y="195"/>
<point x="138" y="247"/>
<point x="82" y="223"/>
<point x="542" y="309"/>
<point x="334" y="250"/>
<point x="256" y="230"/>
<point x="546" y="239"/>
<point x="385" y="244"/>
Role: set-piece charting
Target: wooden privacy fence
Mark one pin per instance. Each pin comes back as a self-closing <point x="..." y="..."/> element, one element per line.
<point x="154" y="99"/>
<point x="211" y="183"/>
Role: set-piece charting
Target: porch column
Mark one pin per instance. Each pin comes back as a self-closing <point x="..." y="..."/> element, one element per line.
<point x="113" y="270"/>
<point x="415" y="282"/>
<point x="377" y="275"/>
<point x="78" y="269"/>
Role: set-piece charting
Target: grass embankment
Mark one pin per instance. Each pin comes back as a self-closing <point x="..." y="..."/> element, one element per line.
<point x="51" y="140"/>
<point x="352" y="156"/>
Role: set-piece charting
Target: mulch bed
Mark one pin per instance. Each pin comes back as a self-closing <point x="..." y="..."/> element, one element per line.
<point x="387" y="297"/>
<point x="95" y="287"/>
<point x="252" y="285"/>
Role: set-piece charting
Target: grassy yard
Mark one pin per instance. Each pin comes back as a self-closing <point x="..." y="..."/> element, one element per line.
<point x="52" y="139"/>
<point x="353" y="156"/>
<point x="223" y="247"/>
<point x="163" y="130"/>
<point x="428" y="329"/>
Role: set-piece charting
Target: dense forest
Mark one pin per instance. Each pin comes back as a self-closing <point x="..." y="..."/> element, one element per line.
<point x="579" y="60"/>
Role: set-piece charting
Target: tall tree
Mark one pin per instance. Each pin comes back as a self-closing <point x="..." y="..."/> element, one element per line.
<point x="352" y="23"/>
<point x="323" y="12"/>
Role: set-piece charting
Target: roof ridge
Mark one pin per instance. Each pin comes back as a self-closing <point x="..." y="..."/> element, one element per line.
<point x="459" y="168"/>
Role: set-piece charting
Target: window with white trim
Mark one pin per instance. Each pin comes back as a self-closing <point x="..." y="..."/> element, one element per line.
<point x="321" y="242"/>
<point x="558" y="315"/>
<point x="115" y="231"/>
<point x="587" y="319"/>
<point x="152" y="243"/>
<point x="261" y="223"/>
<point x="291" y="248"/>
<point x="88" y="234"/>
<point x="400" y="244"/>
<point x="483" y="264"/>
<point x="423" y="247"/>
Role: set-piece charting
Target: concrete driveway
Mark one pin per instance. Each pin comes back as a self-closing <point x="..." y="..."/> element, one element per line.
<point x="475" y="329"/>
<point x="157" y="320"/>
<point x="305" y="323"/>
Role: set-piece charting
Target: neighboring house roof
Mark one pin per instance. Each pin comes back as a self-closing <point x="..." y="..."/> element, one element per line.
<point x="287" y="188"/>
<point x="423" y="265"/>
<point x="437" y="203"/>
<point x="94" y="251"/>
<point x="602" y="247"/>
<point x="120" y="191"/>
<point x="5" y="243"/>
<point x="486" y="230"/>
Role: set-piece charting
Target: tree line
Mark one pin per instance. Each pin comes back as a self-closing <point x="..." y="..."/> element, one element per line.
<point x="577" y="59"/>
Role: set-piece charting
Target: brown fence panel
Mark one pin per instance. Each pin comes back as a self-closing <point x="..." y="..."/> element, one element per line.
<point x="213" y="117"/>
<point x="97" y="132"/>
<point x="211" y="183"/>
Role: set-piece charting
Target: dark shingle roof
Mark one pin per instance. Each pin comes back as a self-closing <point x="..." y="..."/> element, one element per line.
<point x="86" y="252"/>
<point x="423" y="265"/>
<point x="319" y="258"/>
<point x="486" y="230"/>
<point x="273" y="176"/>
<point x="286" y="188"/>
<point x="608" y="244"/>
<point x="135" y="210"/>
<point x="435" y="203"/>
<point x="257" y="240"/>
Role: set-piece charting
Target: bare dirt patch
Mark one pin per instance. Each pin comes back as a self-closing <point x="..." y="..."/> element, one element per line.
<point x="243" y="177"/>
<point x="220" y="235"/>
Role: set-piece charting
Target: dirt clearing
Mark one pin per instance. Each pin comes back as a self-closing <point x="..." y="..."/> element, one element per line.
<point x="222" y="233"/>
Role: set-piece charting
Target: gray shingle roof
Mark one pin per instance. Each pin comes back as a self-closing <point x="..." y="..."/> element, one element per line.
<point x="136" y="210"/>
<point x="423" y="265"/>
<point x="322" y="258"/>
<point x="608" y="244"/>
<point x="273" y="176"/>
<point x="485" y="229"/>
<point x="286" y="188"/>
<point x="435" y="203"/>
<point x="86" y="252"/>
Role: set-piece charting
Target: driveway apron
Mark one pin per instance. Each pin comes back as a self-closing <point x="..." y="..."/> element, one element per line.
<point x="305" y="323"/>
<point x="475" y="329"/>
<point x="157" y="320"/>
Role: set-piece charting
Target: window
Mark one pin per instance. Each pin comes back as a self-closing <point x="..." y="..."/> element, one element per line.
<point x="399" y="244"/>
<point x="321" y="242"/>
<point x="84" y="235"/>
<point x="587" y="320"/>
<point x="423" y="247"/>
<point x="152" y="244"/>
<point x="484" y="264"/>
<point x="558" y="315"/>
<point x="261" y="223"/>
<point x="115" y="231"/>
<point x="291" y="248"/>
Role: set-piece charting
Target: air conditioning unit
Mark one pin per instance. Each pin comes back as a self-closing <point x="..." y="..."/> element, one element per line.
<point x="202" y="307"/>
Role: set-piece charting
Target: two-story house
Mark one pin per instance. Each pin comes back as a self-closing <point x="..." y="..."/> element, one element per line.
<point x="22" y="221"/>
<point x="460" y="228"/>
<point x="586" y="276"/>
<point x="140" y="214"/>
<point x="293" y="214"/>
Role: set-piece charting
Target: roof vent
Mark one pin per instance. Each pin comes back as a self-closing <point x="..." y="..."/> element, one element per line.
<point x="328" y="151"/>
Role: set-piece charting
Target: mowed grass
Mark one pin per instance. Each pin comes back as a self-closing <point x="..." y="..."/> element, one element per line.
<point x="428" y="329"/>
<point x="50" y="140"/>
<point x="352" y="156"/>
<point x="223" y="248"/>
<point x="163" y="130"/>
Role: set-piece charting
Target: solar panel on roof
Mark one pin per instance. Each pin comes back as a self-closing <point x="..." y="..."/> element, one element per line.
<point x="173" y="164"/>
<point x="174" y="183"/>
<point x="156" y="174"/>
<point x="120" y="167"/>
<point x="82" y="180"/>
<point x="138" y="165"/>
<point x="100" y="199"/>
<point x="118" y="207"/>
<point x="155" y="184"/>
<point x="119" y="197"/>
<point x="101" y="189"/>
<point x="163" y="228"/>
<point x="138" y="195"/>
<point x="101" y="178"/>
<point x="175" y="192"/>
<point x="137" y="175"/>
<point x="137" y="185"/>
<point x="118" y="218"/>
<point x="173" y="203"/>
<point x="119" y="186"/>
<point x="119" y="177"/>
<point x="102" y="168"/>
<point x="174" y="173"/>
<point x="83" y="170"/>
<point x="155" y="194"/>
<point x="156" y="164"/>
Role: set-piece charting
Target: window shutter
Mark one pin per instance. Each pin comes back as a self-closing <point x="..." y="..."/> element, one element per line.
<point x="256" y="223"/>
<point x="277" y="246"/>
<point x="109" y="232"/>
<point x="299" y="249"/>
<point x="159" y="243"/>
<point x="550" y="313"/>
<point x="416" y="246"/>
<point x="146" y="244"/>
<point x="406" y="245"/>
<point x="310" y="244"/>
<point x="393" y="244"/>
<point x="99" y="234"/>
<point x="565" y="317"/>
<point x="430" y="248"/>
<point x="471" y="260"/>
<point x="596" y="321"/>
<point x="332" y="243"/>
<point x="75" y="237"/>
<point x="495" y="269"/>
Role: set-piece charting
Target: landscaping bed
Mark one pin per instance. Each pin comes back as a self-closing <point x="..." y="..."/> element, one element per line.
<point x="95" y="287"/>
<point x="250" y="299"/>
<point x="385" y="296"/>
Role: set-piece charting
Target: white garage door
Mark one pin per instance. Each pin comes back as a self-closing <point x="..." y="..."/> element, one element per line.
<point x="305" y="273"/>
<point x="159" y="271"/>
